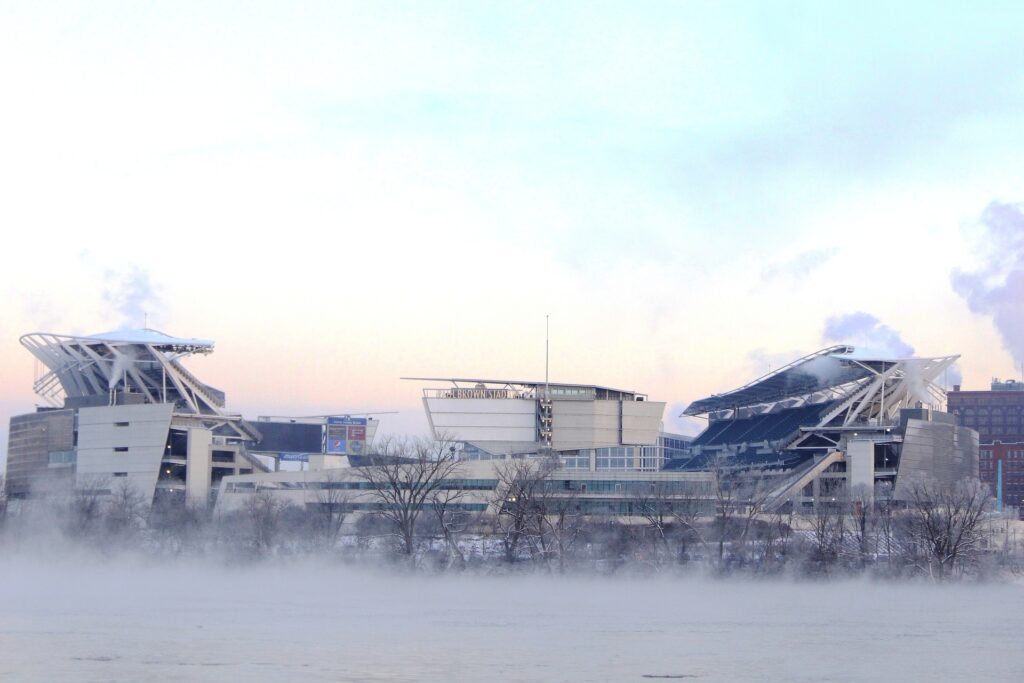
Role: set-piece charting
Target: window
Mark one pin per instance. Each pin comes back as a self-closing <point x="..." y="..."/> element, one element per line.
<point x="576" y="460"/>
<point x="120" y="449"/>
<point x="120" y="474"/>
<point x="59" y="458"/>
<point x="121" y="424"/>
<point x="618" y="458"/>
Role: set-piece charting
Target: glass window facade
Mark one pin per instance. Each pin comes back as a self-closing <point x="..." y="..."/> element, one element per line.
<point x="576" y="460"/>
<point x="617" y="458"/>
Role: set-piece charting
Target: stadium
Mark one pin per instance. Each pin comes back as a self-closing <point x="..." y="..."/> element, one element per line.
<point x="826" y="427"/>
<point x="123" y="410"/>
<point x="834" y="422"/>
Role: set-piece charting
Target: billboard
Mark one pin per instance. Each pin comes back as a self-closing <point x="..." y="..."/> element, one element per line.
<point x="345" y="435"/>
<point x="293" y="457"/>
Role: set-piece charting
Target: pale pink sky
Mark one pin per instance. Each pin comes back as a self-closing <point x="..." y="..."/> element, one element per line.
<point x="357" y="192"/>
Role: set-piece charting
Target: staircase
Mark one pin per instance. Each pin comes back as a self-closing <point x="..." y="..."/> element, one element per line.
<point x="790" y="488"/>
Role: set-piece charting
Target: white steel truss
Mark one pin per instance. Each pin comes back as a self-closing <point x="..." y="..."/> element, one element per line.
<point x="144" y="362"/>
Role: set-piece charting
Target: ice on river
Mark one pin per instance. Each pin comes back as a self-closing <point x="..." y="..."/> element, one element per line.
<point x="81" y="620"/>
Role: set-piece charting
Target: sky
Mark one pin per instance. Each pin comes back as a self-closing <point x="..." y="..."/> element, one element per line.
<point x="342" y="194"/>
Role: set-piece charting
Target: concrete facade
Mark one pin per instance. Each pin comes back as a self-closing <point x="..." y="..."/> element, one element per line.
<point x="122" y="441"/>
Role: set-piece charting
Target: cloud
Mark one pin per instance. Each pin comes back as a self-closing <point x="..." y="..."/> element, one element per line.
<point x="761" y="362"/>
<point x="996" y="287"/>
<point x="677" y="423"/>
<point x="130" y="295"/>
<point x="867" y="333"/>
<point x="798" y="266"/>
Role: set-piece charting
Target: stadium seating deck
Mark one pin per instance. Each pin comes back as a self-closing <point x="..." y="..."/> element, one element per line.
<point x="784" y="460"/>
<point x="770" y="427"/>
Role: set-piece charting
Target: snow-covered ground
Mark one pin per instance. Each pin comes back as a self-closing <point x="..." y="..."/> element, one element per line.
<point x="81" y="619"/>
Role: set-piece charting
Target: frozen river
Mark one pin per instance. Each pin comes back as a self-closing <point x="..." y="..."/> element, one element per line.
<point x="83" y="621"/>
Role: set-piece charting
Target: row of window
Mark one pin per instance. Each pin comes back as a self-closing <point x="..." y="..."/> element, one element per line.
<point x="631" y="487"/>
<point x="587" y="507"/>
<point x="380" y="507"/>
<point x="988" y="454"/>
<point x="453" y="484"/>
<point x="644" y="488"/>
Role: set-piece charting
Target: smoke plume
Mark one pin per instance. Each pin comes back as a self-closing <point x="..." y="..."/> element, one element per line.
<point x="996" y="288"/>
<point x="131" y="296"/>
<point x="866" y="333"/>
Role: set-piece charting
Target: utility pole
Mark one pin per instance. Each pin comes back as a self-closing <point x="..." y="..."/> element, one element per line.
<point x="547" y="353"/>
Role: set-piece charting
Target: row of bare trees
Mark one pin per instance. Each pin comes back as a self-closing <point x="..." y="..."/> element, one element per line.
<point x="410" y="503"/>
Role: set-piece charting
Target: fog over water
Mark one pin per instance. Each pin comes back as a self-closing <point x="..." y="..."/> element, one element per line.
<point x="83" y="619"/>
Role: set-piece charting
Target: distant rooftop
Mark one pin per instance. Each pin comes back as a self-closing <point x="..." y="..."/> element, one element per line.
<point x="1008" y="385"/>
<point x="556" y="387"/>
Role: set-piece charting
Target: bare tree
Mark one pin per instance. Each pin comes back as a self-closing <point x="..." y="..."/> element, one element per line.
<point x="262" y="511"/>
<point x="863" y="522"/>
<point x="753" y="489"/>
<point x="776" y="537"/>
<point x="403" y="477"/>
<point x="519" y="502"/>
<point x="740" y="495"/>
<point x="177" y="528"/>
<point x="947" y="523"/>
<point x="331" y="507"/>
<point x="126" y="508"/>
<point x="86" y="504"/>
<point x="885" y="507"/>
<point x="3" y="500"/>
<point x="655" y="507"/>
<point x="670" y="511"/>
<point x="560" y="522"/>
<point x="828" y="526"/>
<point x="452" y="520"/>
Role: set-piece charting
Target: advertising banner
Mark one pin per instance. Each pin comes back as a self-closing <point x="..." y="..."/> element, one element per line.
<point x="345" y="435"/>
<point x="293" y="457"/>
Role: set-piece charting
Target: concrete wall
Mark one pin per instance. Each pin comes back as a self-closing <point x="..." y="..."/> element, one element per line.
<point x="139" y="429"/>
<point x="860" y="466"/>
<point x="585" y="424"/>
<point x="198" y="462"/>
<point x="506" y="420"/>
<point x="641" y="422"/>
<point x="32" y="438"/>
<point x="932" y="450"/>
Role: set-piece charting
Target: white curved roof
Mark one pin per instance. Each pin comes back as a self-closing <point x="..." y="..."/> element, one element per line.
<point x="147" y="336"/>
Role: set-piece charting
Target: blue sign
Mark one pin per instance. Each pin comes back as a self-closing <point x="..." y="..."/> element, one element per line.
<point x="293" y="457"/>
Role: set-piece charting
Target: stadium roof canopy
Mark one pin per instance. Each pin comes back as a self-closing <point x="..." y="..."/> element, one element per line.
<point x="831" y="367"/>
<point x="146" y="336"/>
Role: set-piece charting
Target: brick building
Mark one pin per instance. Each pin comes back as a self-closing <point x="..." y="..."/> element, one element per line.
<point x="998" y="417"/>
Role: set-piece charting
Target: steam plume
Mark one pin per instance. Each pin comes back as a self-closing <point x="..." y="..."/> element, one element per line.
<point x="996" y="288"/>
<point x="123" y="360"/>
<point x="867" y="333"/>
<point x="131" y="296"/>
